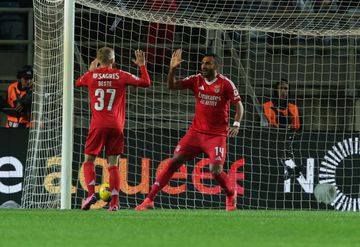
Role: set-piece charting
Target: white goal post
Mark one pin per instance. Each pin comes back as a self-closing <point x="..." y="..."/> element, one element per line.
<point x="313" y="47"/>
<point x="68" y="104"/>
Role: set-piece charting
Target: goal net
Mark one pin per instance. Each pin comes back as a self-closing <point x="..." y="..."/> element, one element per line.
<point x="310" y="44"/>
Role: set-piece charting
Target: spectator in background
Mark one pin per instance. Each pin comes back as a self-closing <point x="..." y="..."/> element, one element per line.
<point x="279" y="111"/>
<point x="19" y="99"/>
<point x="284" y="114"/>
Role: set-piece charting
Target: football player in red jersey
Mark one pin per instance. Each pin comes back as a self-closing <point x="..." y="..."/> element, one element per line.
<point x="107" y="90"/>
<point x="209" y="128"/>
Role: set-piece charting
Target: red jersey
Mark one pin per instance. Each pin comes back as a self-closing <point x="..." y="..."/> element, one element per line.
<point x="107" y="89"/>
<point x="212" y="102"/>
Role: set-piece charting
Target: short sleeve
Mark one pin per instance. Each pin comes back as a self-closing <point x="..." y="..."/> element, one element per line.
<point x="189" y="82"/>
<point x="232" y="92"/>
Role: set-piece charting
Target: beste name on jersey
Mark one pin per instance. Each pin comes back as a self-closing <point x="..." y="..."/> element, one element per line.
<point x="107" y="91"/>
<point x="100" y="76"/>
<point x="104" y="83"/>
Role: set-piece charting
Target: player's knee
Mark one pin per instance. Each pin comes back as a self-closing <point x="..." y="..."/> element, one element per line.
<point x="178" y="160"/>
<point x="215" y="169"/>
<point x="89" y="158"/>
<point x="113" y="159"/>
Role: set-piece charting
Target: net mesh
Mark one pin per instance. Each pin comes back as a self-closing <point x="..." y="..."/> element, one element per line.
<point x="313" y="46"/>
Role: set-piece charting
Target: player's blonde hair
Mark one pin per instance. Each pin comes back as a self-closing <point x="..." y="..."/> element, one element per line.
<point x="105" y="55"/>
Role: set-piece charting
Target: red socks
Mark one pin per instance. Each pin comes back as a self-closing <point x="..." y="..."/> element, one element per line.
<point x="114" y="177"/>
<point x="114" y="182"/>
<point x="224" y="181"/>
<point x="163" y="179"/>
<point x="90" y="177"/>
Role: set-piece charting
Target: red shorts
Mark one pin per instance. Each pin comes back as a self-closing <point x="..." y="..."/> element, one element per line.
<point x="111" y="139"/>
<point x="195" y="142"/>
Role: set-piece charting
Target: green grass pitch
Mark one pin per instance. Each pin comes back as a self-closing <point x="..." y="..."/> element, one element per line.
<point x="20" y="227"/>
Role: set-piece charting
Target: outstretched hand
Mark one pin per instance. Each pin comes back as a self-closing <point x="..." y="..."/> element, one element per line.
<point x="139" y="58"/>
<point x="232" y="131"/>
<point x="176" y="59"/>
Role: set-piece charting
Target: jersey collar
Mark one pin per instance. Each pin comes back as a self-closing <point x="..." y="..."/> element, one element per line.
<point x="210" y="82"/>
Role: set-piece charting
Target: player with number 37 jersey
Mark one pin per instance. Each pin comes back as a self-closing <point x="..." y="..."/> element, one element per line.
<point x="107" y="90"/>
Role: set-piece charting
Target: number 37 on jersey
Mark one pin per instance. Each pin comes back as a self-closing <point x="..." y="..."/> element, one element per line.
<point x="101" y="96"/>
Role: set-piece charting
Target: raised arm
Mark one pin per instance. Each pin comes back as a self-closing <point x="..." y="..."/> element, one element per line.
<point x="176" y="59"/>
<point x="82" y="80"/>
<point x="144" y="80"/>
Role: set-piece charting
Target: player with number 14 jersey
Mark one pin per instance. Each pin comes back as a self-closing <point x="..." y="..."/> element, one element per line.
<point x="209" y="130"/>
<point x="212" y="102"/>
